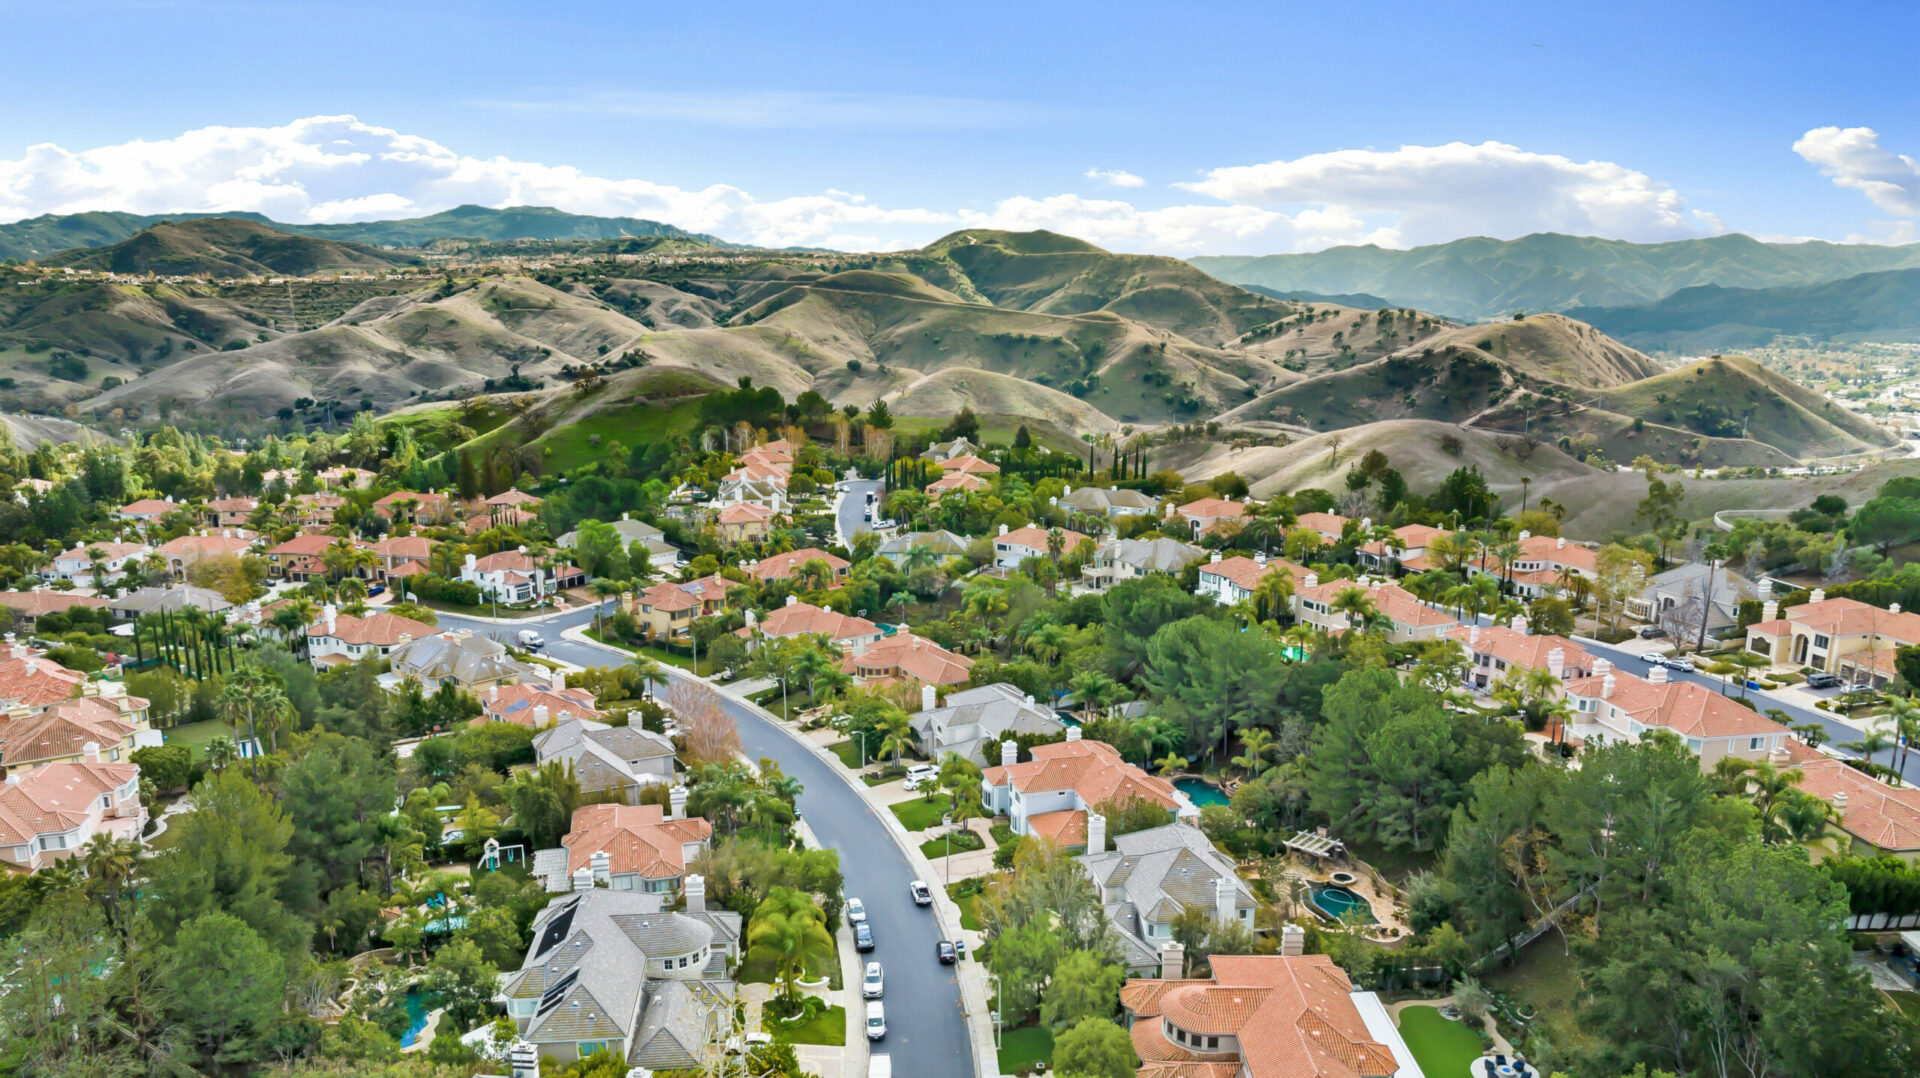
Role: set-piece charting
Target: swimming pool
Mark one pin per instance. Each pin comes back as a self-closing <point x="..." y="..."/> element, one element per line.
<point x="1201" y="792"/>
<point x="1336" y="903"/>
<point x="417" y="1008"/>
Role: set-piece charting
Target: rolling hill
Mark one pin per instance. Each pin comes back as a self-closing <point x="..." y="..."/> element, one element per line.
<point x="1881" y="306"/>
<point x="1480" y="277"/>
<point x="228" y="247"/>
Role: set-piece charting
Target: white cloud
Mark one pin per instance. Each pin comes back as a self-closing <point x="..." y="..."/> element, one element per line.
<point x="337" y="168"/>
<point x="1117" y="177"/>
<point x="1428" y="194"/>
<point x="1852" y="157"/>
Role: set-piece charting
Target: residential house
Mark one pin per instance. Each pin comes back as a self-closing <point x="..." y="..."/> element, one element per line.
<point x="316" y="510"/>
<point x="344" y="478"/>
<point x="1011" y="548"/>
<point x="1404" y="617"/>
<point x="229" y="512"/>
<point x="974" y="721"/>
<point x="1545" y="565"/>
<point x="146" y="510"/>
<point x="1287" y="1015"/>
<point x="666" y="611"/>
<point x="909" y="658"/>
<point x="515" y="498"/>
<point x="958" y="447"/>
<point x="968" y="464"/>
<point x="1130" y="559"/>
<point x="187" y="551"/>
<point x="621" y="759"/>
<point x="1151" y="877"/>
<point x="30" y="606"/>
<point x="412" y="507"/>
<point x="402" y="555"/>
<point x="1052" y="794"/>
<point x="498" y="516"/>
<point x="1228" y="581"/>
<point x="65" y="731"/>
<point x="848" y="633"/>
<point x="299" y="558"/>
<point x="1207" y="515"/>
<point x="782" y="566"/>
<point x="760" y="478"/>
<point x="1110" y="502"/>
<point x="1494" y="650"/>
<point x="1676" y="598"/>
<point x="647" y="848"/>
<point x="514" y="576"/>
<point x="1847" y="637"/>
<point x="1611" y="705"/>
<point x="30" y="683"/>
<point x="1871" y="817"/>
<point x="660" y="553"/>
<point x="615" y="971"/>
<point x="1407" y="550"/>
<point x="78" y="565"/>
<point x="1330" y="527"/>
<point x="168" y="600"/>
<point x="744" y="522"/>
<point x="50" y="813"/>
<point x="461" y="656"/>
<point x="942" y="544"/>
<point x="336" y="638"/>
<point x="538" y="705"/>
<point x="953" y="481"/>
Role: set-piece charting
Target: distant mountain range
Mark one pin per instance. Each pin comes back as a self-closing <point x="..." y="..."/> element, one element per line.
<point x="1871" y="306"/>
<point x="1481" y="278"/>
<point x="50" y="234"/>
<point x="228" y="247"/>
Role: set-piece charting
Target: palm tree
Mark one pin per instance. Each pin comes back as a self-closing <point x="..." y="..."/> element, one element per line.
<point x="253" y="695"/>
<point x="110" y="864"/>
<point x="1170" y="763"/>
<point x="1273" y="596"/>
<point x="221" y="752"/>
<point x="603" y="589"/>
<point x="1905" y="719"/>
<point x="919" y="556"/>
<point x="1354" y="602"/>
<point x="1095" y="691"/>
<point x="651" y="673"/>
<point x="1255" y="746"/>
<point x="1871" y="744"/>
<point x="792" y="932"/>
<point x="898" y="729"/>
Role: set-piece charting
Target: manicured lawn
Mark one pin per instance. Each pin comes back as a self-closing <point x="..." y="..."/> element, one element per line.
<point x="1024" y="1047"/>
<point x="848" y="751"/>
<point x="920" y="814"/>
<point x="195" y="735"/>
<point x="962" y="842"/>
<point x="966" y="895"/>
<point x="1908" y="1002"/>
<point x="659" y="655"/>
<point x="797" y="700"/>
<point x="1443" y="1049"/>
<point x="827" y="1027"/>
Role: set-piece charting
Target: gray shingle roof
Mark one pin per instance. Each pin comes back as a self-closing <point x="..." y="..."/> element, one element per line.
<point x="1163" y="871"/>
<point x="975" y="717"/>
<point x="1160" y="555"/>
<point x="680" y="1020"/>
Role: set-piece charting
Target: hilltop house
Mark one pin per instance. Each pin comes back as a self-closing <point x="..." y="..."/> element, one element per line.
<point x="744" y="522"/>
<point x="229" y="512"/>
<point x="1287" y="1015"/>
<point x="1675" y="599"/>
<point x="1494" y="650"/>
<point x="973" y="722"/>
<point x="614" y="971"/>
<point x="513" y="576"/>
<point x="1131" y="559"/>
<point x="188" y="551"/>
<point x="953" y="481"/>
<point x="78" y="565"/>
<point x="146" y="510"/>
<point x="1544" y="565"/>
<point x="968" y="464"/>
<point x="619" y="759"/>
<point x="660" y="553"/>
<point x="1839" y="636"/>
<point x="1151" y="877"/>
<point x="645" y="849"/>
<point x="1404" y="617"/>
<point x="1207" y="515"/>
<point x="1110" y="502"/>
<point x="410" y="507"/>
<point x="49" y="813"/>
<point x="940" y="451"/>
<point x="1407" y="550"/>
<point x="1051" y="794"/>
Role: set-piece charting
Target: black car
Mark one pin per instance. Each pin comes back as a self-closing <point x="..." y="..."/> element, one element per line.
<point x="946" y="952"/>
<point x="863" y="937"/>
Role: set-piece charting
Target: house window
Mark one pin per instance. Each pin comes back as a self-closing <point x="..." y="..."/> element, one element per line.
<point x="1213" y="1042"/>
<point x="1819" y="641"/>
<point x="1754" y="743"/>
<point x="1693" y="744"/>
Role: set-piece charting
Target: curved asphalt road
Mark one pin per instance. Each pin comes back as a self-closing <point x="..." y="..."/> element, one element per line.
<point x="926" y="1030"/>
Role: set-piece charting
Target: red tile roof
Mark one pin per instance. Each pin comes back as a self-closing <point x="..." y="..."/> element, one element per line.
<point x="1035" y="538"/>
<point x="147" y="507"/>
<point x="47" y="601"/>
<point x="62" y="730"/>
<point x="1685" y="707"/>
<point x="1092" y="769"/>
<point x="1885" y="816"/>
<point x="31" y="681"/>
<point x="745" y="513"/>
<point x="1207" y="508"/>
<point x="796" y="619"/>
<point x="955" y="481"/>
<point x="378" y="630"/>
<point x="1292" y="1016"/>
<point x="516" y="703"/>
<point x="56" y="797"/>
<point x="1522" y="649"/>
<point x="782" y="566"/>
<point x="1851" y="617"/>
<point x="1324" y="523"/>
<point x="1245" y="573"/>
<point x="636" y="838"/>
<point x="968" y="464"/>
<point x="908" y="657"/>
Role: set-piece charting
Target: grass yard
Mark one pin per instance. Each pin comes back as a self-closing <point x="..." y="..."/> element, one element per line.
<point x="1544" y="980"/>
<point x="195" y="735"/>
<point x="1443" y="1049"/>
<point x="828" y="1026"/>
<point x="659" y="655"/>
<point x="1908" y="1002"/>
<point x="966" y="895"/>
<point x="962" y="842"/>
<point x="848" y="751"/>
<point x="920" y="813"/>
<point x="1024" y="1047"/>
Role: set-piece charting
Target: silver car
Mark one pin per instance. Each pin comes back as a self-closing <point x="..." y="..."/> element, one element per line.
<point x="873" y="985"/>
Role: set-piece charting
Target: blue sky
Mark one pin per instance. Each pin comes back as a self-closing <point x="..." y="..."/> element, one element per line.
<point x="1294" y="126"/>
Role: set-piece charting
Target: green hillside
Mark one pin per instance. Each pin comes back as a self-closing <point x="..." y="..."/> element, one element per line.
<point x="1481" y="277"/>
<point x="485" y="223"/>
<point x="1721" y="397"/>
<point x="1867" y="307"/>
<point x="228" y="247"/>
<point x="52" y="233"/>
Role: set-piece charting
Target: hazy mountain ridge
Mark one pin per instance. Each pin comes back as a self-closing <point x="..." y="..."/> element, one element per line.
<point x="1882" y="306"/>
<point x="229" y="247"/>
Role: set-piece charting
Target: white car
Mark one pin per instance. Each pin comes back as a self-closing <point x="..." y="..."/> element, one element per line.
<point x="856" y="911"/>
<point x="922" y="896"/>
<point x="876" y="1020"/>
<point x="1653" y="657"/>
<point x="874" y="983"/>
<point x="922" y="773"/>
<point x="1685" y="666"/>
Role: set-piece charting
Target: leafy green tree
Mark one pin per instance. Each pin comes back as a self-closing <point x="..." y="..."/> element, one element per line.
<point x="228" y="855"/>
<point x="790" y="932"/>
<point x="224" y="987"/>
<point x="1215" y="680"/>
<point x="1884" y="523"/>
<point x="1083" y="986"/>
<point x="1094" y="1048"/>
<point x="335" y="789"/>
<point x="59" y="1016"/>
<point x="465" y="982"/>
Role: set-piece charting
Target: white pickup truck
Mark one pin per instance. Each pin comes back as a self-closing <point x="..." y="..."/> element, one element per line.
<point x="531" y="640"/>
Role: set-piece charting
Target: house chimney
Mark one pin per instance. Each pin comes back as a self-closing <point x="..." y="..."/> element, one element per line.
<point x="1225" y="900"/>
<point x="695" y="888"/>
<point x="1068" y="492"/>
<point x="929" y="698"/>
<point x="1770" y="610"/>
<point x="405" y="639"/>
<point x="1780" y="757"/>
<point x="1215" y="558"/>
<point x="1525" y="535"/>
<point x="1657" y="676"/>
<point x="1473" y="635"/>
<point x="1173" y="961"/>
<point x="602" y="867"/>
<point x="1606" y="686"/>
<point x="558" y="681"/>
<point x="523" y="1060"/>
<point x="1518" y="624"/>
<point x="331" y="615"/>
<point x="1073" y="733"/>
<point x="90" y="752"/>
<point x="1893" y="608"/>
<point x="1819" y="596"/>
<point x="1557" y="662"/>
<point x="1028" y="699"/>
<point x="677" y="803"/>
<point x="33" y="667"/>
<point x="1009" y="753"/>
<point x="1560" y="543"/>
<point x="469" y="562"/>
<point x="493" y="693"/>
<point x="583" y="879"/>
<point x="1003" y="529"/>
<point x="1602" y="667"/>
<point x="1312" y="581"/>
<point x="1096" y="832"/>
<point x="1840" y="801"/>
<point x="792" y="599"/>
<point x="1293" y="941"/>
<point x="539" y="715"/>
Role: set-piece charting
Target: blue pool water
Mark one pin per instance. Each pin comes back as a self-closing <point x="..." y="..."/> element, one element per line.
<point x="1334" y="902"/>
<point x="417" y="1008"/>
<point x="1200" y="792"/>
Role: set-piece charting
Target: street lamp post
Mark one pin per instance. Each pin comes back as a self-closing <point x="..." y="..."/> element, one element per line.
<point x="947" y="860"/>
<point x="862" y="735"/>
<point x="995" y="978"/>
